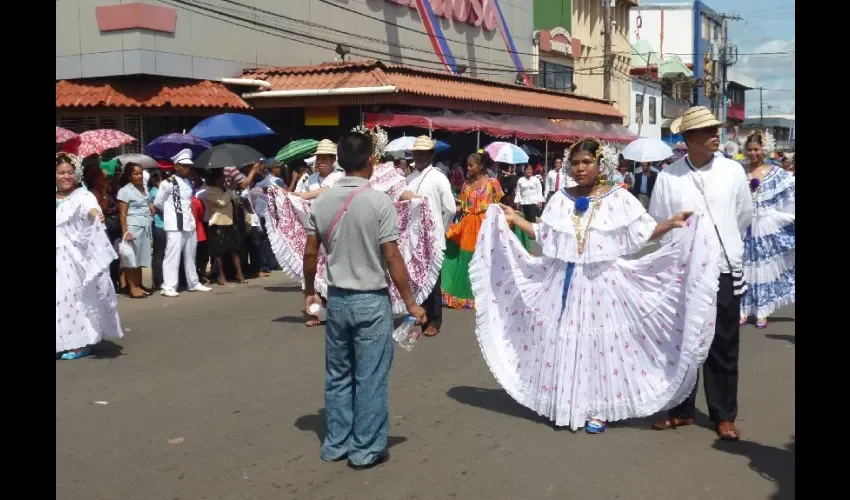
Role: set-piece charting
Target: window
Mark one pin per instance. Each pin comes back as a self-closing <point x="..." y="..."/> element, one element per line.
<point x="638" y="108"/>
<point x="652" y="115"/>
<point x="736" y="95"/>
<point x="705" y="28"/>
<point x="555" y="77"/>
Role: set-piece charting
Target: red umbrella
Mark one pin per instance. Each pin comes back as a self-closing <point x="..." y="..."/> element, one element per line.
<point x="64" y="135"/>
<point x="95" y="142"/>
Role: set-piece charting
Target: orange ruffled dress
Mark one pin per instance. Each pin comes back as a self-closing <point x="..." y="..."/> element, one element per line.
<point x="460" y="243"/>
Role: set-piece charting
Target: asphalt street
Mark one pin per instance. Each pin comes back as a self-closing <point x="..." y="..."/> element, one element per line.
<point x="219" y="396"/>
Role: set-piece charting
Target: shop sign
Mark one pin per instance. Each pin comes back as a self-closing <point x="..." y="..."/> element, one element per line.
<point x="559" y="41"/>
<point x="479" y="13"/>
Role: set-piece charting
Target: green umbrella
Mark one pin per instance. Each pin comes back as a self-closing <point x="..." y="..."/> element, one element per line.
<point x="109" y="166"/>
<point x="296" y="150"/>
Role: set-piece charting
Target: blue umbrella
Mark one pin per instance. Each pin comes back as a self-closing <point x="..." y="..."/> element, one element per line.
<point x="230" y="126"/>
<point x="166" y="146"/>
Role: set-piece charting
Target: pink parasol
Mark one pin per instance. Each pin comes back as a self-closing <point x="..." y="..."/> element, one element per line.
<point x="64" y="135"/>
<point x="95" y="142"/>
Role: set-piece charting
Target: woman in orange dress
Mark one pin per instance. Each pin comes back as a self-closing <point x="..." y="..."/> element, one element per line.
<point x="478" y="192"/>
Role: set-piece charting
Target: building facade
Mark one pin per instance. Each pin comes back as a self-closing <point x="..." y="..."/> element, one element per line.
<point x="647" y="119"/>
<point x="569" y="48"/>
<point x="212" y="39"/>
<point x="693" y="33"/>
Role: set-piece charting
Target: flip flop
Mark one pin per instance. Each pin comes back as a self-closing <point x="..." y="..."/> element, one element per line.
<point x="595" y="427"/>
<point x="761" y="324"/>
<point x="76" y="355"/>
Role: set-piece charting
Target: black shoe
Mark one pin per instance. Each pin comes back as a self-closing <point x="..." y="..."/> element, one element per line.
<point x="382" y="459"/>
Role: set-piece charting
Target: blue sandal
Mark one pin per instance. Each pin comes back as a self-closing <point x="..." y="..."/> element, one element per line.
<point x="595" y="427"/>
<point x="76" y="355"/>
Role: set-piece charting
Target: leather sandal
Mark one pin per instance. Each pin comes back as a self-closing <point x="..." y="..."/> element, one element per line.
<point x="431" y="331"/>
<point x="667" y="423"/>
<point x="727" y="431"/>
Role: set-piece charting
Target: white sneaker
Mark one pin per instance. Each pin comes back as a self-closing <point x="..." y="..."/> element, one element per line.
<point x="169" y="293"/>
<point x="200" y="288"/>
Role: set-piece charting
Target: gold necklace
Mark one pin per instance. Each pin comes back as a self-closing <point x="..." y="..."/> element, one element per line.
<point x="581" y="234"/>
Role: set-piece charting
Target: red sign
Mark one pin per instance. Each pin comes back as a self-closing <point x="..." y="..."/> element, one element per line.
<point x="559" y="41"/>
<point x="479" y="13"/>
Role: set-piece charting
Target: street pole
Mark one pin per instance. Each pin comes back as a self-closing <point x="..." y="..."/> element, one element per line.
<point x="761" y="109"/>
<point x="607" y="64"/>
<point x="723" y="82"/>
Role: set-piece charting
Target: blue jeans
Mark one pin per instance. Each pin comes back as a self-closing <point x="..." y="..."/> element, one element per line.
<point x="358" y="356"/>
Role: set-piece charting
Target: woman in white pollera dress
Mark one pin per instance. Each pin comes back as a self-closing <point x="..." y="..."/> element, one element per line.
<point x="580" y="335"/>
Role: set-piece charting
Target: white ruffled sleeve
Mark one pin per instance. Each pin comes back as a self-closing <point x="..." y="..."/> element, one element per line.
<point x="620" y="227"/>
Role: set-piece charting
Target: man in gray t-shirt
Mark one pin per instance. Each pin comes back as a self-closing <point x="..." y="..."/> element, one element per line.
<point x="358" y="228"/>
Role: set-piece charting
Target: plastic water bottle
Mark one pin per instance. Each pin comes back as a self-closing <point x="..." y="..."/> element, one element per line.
<point x="408" y="333"/>
<point x="320" y="312"/>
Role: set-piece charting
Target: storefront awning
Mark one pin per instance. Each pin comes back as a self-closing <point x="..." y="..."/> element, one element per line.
<point x="504" y="126"/>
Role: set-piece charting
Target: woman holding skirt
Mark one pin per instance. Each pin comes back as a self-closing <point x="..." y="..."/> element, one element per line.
<point x="581" y="335"/>
<point x="478" y="193"/>
<point x="86" y="305"/>
<point x="417" y="241"/>
<point x="770" y="243"/>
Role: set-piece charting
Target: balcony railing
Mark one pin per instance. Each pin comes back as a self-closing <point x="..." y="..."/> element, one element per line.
<point x="671" y="108"/>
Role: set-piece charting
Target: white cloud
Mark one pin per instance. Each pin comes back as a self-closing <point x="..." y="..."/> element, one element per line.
<point x="771" y="71"/>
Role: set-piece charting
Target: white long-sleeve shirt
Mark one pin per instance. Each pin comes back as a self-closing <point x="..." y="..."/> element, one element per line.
<point x="165" y="202"/>
<point x="727" y="191"/>
<point x="529" y="191"/>
<point x="432" y="184"/>
<point x="552" y="180"/>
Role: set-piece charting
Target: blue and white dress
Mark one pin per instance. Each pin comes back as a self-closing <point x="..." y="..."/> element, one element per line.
<point x="769" y="246"/>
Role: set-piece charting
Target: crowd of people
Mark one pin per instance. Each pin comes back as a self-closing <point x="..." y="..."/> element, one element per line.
<point x="583" y="334"/>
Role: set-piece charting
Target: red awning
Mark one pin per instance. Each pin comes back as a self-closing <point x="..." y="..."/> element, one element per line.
<point x="523" y="127"/>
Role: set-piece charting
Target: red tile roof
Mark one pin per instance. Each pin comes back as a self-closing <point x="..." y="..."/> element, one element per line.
<point x="430" y="84"/>
<point x="146" y="93"/>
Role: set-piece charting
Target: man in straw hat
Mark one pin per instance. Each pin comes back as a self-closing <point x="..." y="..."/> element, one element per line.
<point x="174" y="200"/>
<point x="717" y="187"/>
<point x="325" y="176"/>
<point x="430" y="183"/>
<point x="358" y="227"/>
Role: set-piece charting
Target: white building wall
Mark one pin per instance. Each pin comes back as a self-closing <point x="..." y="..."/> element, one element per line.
<point x="643" y="125"/>
<point x="678" y="29"/>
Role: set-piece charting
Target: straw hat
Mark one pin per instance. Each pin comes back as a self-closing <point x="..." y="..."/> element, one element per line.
<point x="423" y="143"/>
<point x="326" y="147"/>
<point x="694" y="119"/>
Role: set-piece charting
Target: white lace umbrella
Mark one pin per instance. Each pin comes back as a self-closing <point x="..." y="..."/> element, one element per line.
<point x="647" y="150"/>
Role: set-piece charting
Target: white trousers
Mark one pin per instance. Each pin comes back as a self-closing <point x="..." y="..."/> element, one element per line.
<point x="185" y="242"/>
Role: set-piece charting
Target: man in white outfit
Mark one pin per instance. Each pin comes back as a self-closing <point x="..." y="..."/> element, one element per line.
<point x="174" y="200"/>
<point x="428" y="182"/>
<point x="557" y="178"/>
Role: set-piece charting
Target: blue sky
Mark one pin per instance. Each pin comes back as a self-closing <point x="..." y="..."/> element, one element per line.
<point x="768" y="26"/>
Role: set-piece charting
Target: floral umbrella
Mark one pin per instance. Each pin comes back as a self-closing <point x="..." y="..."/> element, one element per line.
<point x="64" y="135"/>
<point x="95" y="142"/>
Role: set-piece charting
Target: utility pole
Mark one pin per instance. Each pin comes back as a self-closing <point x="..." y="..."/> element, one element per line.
<point x="761" y="109"/>
<point x="608" y="62"/>
<point x="725" y="62"/>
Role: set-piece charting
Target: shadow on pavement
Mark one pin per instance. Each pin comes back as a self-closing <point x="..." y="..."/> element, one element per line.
<point x="792" y="339"/>
<point x="106" y="350"/>
<point x="288" y="288"/>
<point x="781" y="319"/>
<point x="777" y="465"/>
<point x="315" y="423"/>
<point x="496" y="400"/>
<point x="291" y="319"/>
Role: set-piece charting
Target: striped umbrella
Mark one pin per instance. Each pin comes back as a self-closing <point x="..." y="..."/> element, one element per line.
<point x="296" y="150"/>
<point x="505" y="152"/>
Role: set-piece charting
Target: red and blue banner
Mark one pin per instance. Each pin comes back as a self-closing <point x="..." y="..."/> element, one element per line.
<point x="435" y="34"/>
<point x="441" y="45"/>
